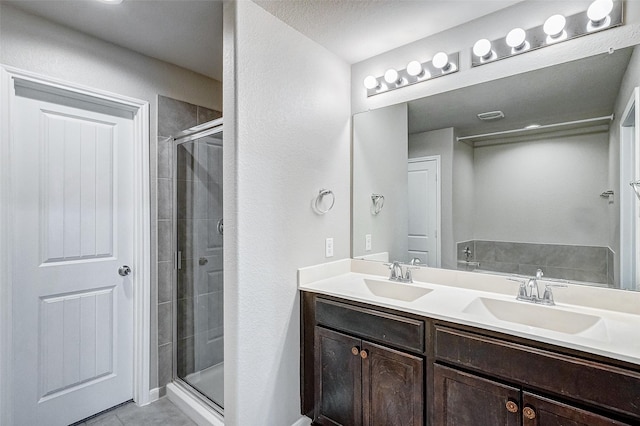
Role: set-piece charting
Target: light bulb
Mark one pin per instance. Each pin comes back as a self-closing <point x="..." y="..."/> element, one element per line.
<point x="554" y="26"/>
<point x="370" y="82"/>
<point x="482" y="48"/>
<point x="391" y="76"/>
<point x="414" y="69"/>
<point x="441" y="60"/>
<point x="516" y="38"/>
<point x="599" y="11"/>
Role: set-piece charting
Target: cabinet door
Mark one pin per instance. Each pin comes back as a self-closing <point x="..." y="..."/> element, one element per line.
<point x="392" y="387"/>
<point x="462" y="399"/>
<point x="539" y="411"/>
<point x="338" y="379"/>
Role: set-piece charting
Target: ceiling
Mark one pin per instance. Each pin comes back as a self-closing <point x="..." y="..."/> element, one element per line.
<point x="576" y="90"/>
<point x="189" y="32"/>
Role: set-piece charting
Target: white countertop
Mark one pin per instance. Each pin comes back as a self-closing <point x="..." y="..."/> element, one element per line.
<point x="615" y="334"/>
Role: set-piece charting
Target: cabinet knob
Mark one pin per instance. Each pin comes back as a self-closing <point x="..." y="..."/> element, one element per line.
<point x="355" y="350"/>
<point x="529" y="413"/>
<point x="364" y="354"/>
<point x="512" y="407"/>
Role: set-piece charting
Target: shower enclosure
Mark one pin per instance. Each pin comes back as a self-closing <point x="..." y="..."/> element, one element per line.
<point x="198" y="363"/>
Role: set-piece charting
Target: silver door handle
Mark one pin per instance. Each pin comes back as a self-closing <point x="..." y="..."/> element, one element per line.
<point x="124" y="271"/>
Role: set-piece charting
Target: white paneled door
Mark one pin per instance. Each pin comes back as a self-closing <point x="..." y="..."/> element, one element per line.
<point x="72" y="192"/>
<point x="424" y="211"/>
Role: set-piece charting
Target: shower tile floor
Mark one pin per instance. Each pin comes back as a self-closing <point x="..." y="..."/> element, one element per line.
<point x="160" y="412"/>
<point x="210" y="382"/>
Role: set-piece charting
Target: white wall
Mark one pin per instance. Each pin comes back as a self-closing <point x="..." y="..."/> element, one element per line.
<point x="526" y="14"/>
<point x="543" y="191"/>
<point x="34" y="44"/>
<point x="287" y="102"/>
<point x="380" y="140"/>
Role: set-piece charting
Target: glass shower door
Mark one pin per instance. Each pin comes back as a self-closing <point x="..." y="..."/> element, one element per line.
<point x="200" y="339"/>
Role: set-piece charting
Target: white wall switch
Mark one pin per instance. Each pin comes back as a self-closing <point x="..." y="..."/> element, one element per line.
<point x="328" y="247"/>
<point x="367" y="242"/>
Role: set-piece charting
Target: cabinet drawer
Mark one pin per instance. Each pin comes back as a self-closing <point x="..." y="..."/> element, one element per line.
<point x="378" y="326"/>
<point x="572" y="378"/>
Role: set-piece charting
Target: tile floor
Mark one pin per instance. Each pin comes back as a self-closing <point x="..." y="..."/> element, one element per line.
<point x="161" y="412"/>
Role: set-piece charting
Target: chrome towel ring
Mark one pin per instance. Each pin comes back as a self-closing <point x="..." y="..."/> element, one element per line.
<point x="321" y="194"/>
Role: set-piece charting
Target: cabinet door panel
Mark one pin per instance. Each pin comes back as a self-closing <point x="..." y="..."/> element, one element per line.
<point x="552" y="413"/>
<point x="338" y="379"/>
<point x="392" y="387"/>
<point x="462" y="399"/>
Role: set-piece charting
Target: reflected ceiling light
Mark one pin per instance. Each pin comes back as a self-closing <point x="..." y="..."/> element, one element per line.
<point x="554" y="27"/>
<point x="482" y="49"/>
<point x="414" y="69"/>
<point x="517" y="39"/>
<point x="111" y="1"/>
<point x="370" y="82"/>
<point x="441" y="61"/>
<point x="598" y="12"/>
<point x="391" y="76"/>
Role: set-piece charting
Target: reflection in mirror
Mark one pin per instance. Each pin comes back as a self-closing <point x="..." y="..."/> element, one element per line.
<point x="540" y="185"/>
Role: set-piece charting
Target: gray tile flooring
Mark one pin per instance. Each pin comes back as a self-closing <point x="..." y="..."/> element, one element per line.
<point x="160" y="412"/>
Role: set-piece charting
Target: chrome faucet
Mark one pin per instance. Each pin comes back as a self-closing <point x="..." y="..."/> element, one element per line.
<point x="397" y="274"/>
<point x="529" y="291"/>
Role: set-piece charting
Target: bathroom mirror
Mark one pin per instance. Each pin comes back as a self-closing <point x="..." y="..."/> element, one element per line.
<point x="433" y="181"/>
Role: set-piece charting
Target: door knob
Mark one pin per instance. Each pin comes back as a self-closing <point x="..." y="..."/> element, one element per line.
<point x="124" y="271"/>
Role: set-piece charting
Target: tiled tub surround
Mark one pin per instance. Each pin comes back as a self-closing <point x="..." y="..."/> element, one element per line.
<point x="452" y="292"/>
<point x="569" y="262"/>
<point x="174" y="116"/>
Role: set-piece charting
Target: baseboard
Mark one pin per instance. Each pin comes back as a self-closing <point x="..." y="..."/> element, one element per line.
<point x="196" y="410"/>
<point x="154" y="395"/>
<point x="302" y="421"/>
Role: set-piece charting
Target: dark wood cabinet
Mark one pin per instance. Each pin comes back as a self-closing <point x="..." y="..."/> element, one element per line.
<point x="365" y="365"/>
<point x="361" y="383"/>
<point x="462" y="399"/>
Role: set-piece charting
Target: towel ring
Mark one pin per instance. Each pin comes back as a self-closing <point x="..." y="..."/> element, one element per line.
<point x="378" y="203"/>
<point x="319" y="198"/>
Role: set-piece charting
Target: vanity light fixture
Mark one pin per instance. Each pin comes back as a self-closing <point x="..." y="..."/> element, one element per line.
<point x="370" y="82"/>
<point x="391" y="76"/>
<point x="441" y="61"/>
<point x="601" y="15"/>
<point x="482" y="49"/>
<point x="415" y="72"/>
<point x="554" y="28"/>
<point x="517" y="39"/>
<point x="415" y="69"/>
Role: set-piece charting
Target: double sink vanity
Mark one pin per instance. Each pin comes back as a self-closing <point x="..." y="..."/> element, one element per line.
<point x="457" y="348"/>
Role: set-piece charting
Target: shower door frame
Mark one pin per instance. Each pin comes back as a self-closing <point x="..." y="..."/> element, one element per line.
<point x="142" y="225"/>
<point x="192" y="134"/>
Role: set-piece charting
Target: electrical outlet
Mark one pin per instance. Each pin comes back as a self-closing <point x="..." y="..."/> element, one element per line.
<point x="367" y="242"/>
<point x="328" y="247"/>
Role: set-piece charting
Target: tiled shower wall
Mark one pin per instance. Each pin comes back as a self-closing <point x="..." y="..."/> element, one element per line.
<point x="575" y="263"/>
<point x="174" y="116"/>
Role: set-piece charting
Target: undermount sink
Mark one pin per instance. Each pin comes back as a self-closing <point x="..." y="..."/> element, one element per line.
<point x="395" y="290"/>
<point x="545" y="317"/>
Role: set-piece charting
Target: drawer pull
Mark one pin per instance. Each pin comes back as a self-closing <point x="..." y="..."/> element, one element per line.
<point x="355" y="350"/>
<point x="529" y="413"/>
<point x="512" y="407"/>
<point x="364" y="354"/>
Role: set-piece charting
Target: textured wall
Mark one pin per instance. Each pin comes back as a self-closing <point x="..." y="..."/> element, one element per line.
<point x="287" y="101"/>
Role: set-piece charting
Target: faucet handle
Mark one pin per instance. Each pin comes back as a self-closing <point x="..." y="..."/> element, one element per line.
<point x="522" y="290"/>
<point x="547" y="297"/>
<point x="539" y="274"/>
